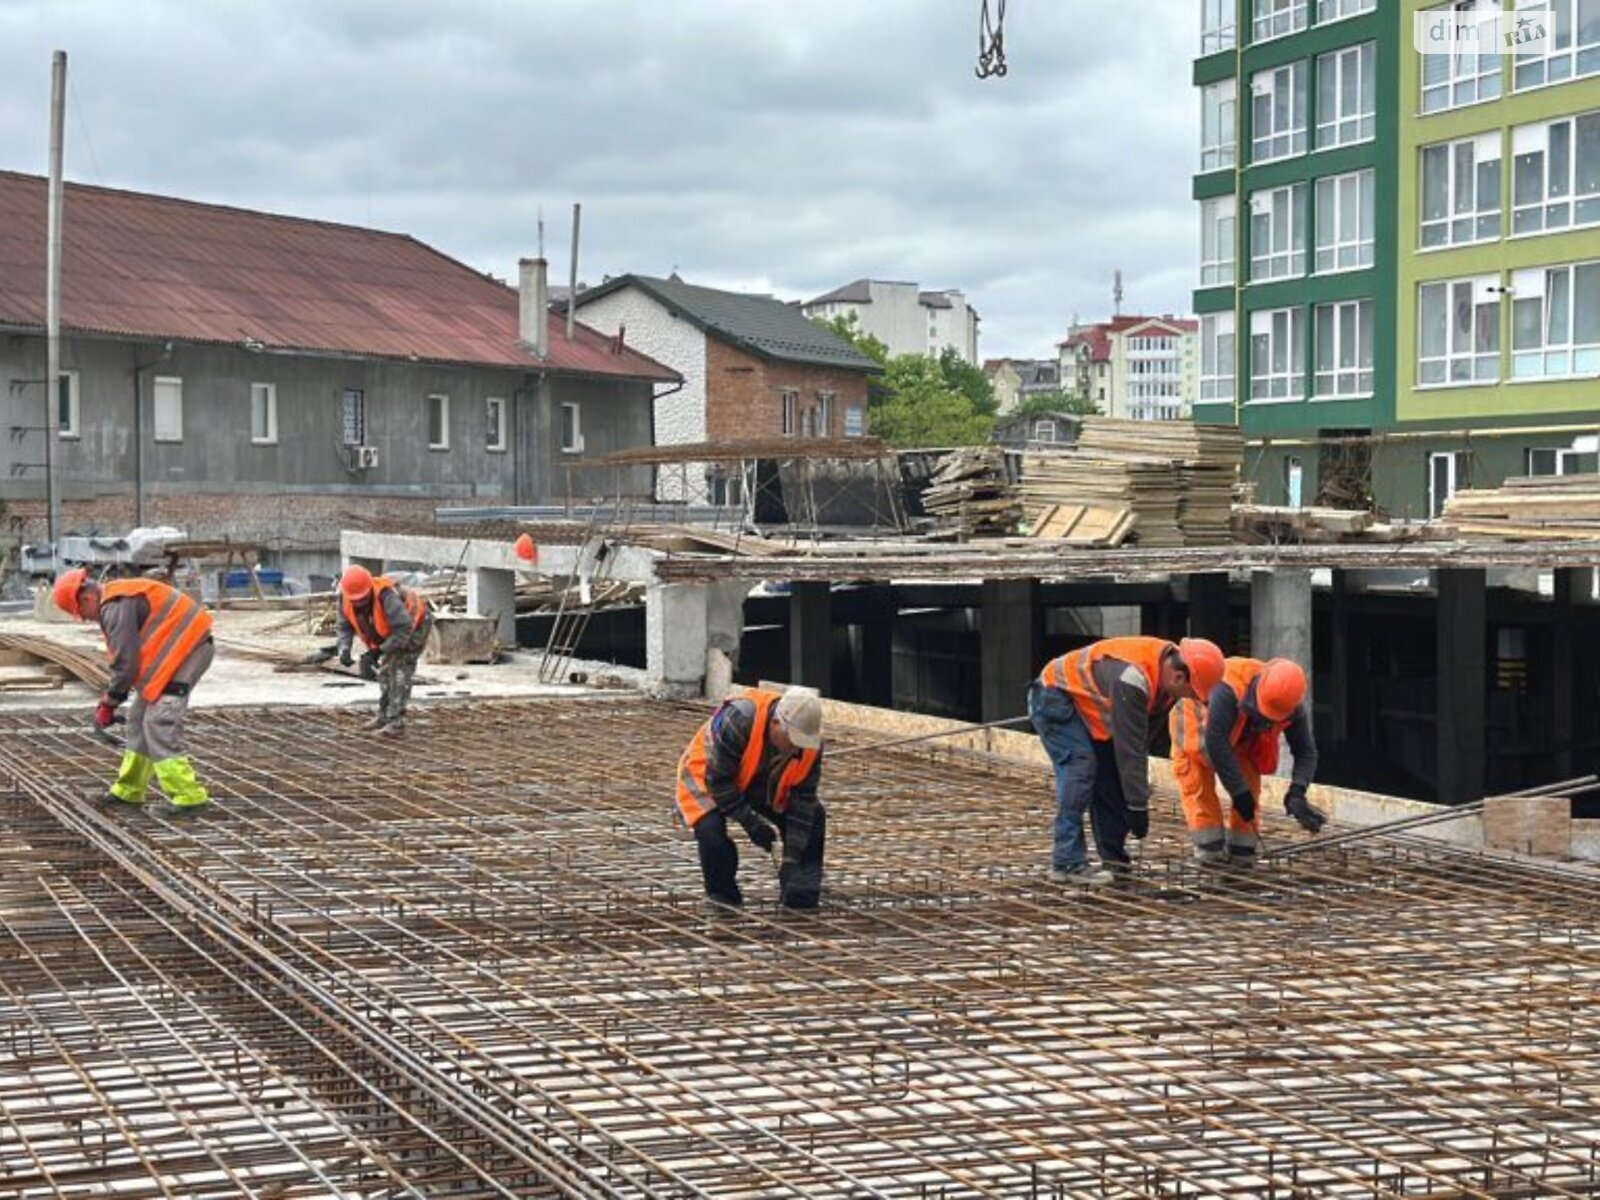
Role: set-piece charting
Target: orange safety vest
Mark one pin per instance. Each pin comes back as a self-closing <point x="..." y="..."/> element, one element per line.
<point x="1073" y="673"/>
<point x="694" y="795"/>
<point x="1239" y="674"/>
<point x="175" y="626"/>
<point x="376" y="631"/>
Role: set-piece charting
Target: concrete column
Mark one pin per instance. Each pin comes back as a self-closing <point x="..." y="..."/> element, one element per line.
<point x="1280" y="627"/>
<point x="1208" y="608"/>
<point x="675" y="630"/>
<point x="876" y="641"/>
<point x="1573" y="587"/>
<point x="1009" y="645"/>
<point x="811" y="634"/>
<point x="1339" y="679"/>
<point x="493" y="593"/>
<point x="1161" y="618"/>
<point x="1461" y="639"/>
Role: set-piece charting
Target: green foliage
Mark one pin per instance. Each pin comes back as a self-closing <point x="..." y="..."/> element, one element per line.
<point x="847" y="326"/>
<point x="916" y="406"/>
<point x="961" y="376"/>
<point x="1054" y="402"/>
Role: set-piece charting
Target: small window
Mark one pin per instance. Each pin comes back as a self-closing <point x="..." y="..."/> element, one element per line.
<point x="495" y="423"/>
<point x="1044" y="431"/>
<point x="69" y="409"/>
<point x="263" y="413"/>
<point x="571" y="429"/>
<point x="855" y="421"/>
<point x="824" y="414"/>
<point x="353" y="417"/>
<point x="168" y="408"/>
<point x="791" y="412"/>
<point x="1446" y="471"/>
<point x="438" y="422"/>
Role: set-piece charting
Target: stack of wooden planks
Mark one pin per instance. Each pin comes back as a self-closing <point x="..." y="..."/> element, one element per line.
<point x="1206" y="458"/>
<point x="1529" y="508"/>
<point x="969" y="496"/>
<point x="1148" y="488"/>
<point x="1084" y="525"/>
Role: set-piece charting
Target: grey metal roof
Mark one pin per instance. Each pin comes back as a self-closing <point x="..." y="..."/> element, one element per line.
<point x="760" y="324"/>
<point x="858" y="292"/>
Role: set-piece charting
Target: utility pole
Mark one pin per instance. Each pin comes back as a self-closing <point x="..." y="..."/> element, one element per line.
<point x="52" y="293"/>
<point x="572" y="280"/>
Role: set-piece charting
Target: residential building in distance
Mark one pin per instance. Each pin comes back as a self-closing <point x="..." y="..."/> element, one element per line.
<point x="1018" y="379"/>
<point x="904" y="317"/>
<point x="266" y="378"/>
<point x="1139" y="368"/>
<point x="1399" y="288"/>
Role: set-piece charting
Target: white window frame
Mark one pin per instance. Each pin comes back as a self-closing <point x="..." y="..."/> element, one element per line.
<point x="1556" y="211"/>
<point x="1329" y="11"/>
<point x="855" y="421"/>
<point x="1219" y="125"/>
<point x="1452" y="460"/>
<point x="789" y="398"/>
<point x="1276" y="18"/>
<point x="572" y="444"/>
<point x="352" y="399"/>
<point x="443" y="442"/>
<point x="1463" y="362"/>
<point x="1278" y="233"/>
<point x="1465" y="218"/>
<point x="825" y="402"/>
<point x="1343" y="355"/>
<point x="170" y="386"/>
<point x="69" y="428"/>
<point x="494" y="415"/>
<point x="1468" y="78"/>
<point x="1564" y="459"/>
<point x="1564" y="350"/>
<point x="1040" y="425"/>
<point x="1342" y="127"/>
<point x="1219" y="358"/>
<point x="1218" y="26"/>
<point x="1337" y="247"/>
<point x="1218" y="242"/>
<point x="1269" y="141"/>
<point x="270" y="438"/>
<point x="1567" y="55"/>
<point x="1278" y="341"/>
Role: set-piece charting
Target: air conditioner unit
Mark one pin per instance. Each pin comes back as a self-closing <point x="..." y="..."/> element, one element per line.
<point x="361" y="458"/>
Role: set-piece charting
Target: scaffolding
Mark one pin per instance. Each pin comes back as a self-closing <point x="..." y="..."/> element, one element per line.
<point x="476" y="963"/>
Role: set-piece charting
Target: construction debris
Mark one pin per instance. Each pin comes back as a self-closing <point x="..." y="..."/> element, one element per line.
<point x="1529" y="508"/>
<point x="969" y="496"/>
<point x="85" y="667"/>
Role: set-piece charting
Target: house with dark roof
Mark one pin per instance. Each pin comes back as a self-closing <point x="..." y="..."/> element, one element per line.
<point x="752" y="366"/>
<point x="903" y="316"/>
<point x="270" y="378"/>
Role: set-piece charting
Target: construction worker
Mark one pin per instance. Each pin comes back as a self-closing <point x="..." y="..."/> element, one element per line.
<point x="758" y="762"/>
<point x="1233" y="736"/>
<point x="393" y="622"/>
<point x="1094" y="709"/>
<point x="159" y="641"/>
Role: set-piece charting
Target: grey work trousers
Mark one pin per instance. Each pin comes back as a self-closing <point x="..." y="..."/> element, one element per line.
<point x="396" y="669"/>
<point x="155" y="727"/>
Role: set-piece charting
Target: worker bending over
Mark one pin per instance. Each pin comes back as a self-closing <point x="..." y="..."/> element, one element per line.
<point x="159" y="642"/>
<point x="393" y="623"/>
<point x="1094" y="709"/>
<point x="758" y="762"/>
<point x="1233" y="737"/>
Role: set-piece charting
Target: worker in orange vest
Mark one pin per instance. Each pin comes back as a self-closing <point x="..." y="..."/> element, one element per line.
<point x="1094" y="709"/>
<point x="758" y="761"/>
<point x="159" y="642"/>
<point x="393" y="623"/>
<point x="1233" y="736"/>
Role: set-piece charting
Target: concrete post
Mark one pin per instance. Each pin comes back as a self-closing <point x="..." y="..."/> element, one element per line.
<point x="1462" y="704"/>
<point x="1280" y="627"/>
<point x="675" y="631"/>
<point x="1572" y="587"/>
<point x="811" y="634"/>
<point x="1009" y="645"/>
<point x="493" y="593"/>
<point x="1208" y="608"/>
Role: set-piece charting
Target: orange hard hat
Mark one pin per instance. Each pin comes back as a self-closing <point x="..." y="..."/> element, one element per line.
<point x="1280" y="688"/>
<point x="356" y="583"/>
<point x="65" y="592"/>
<point x="1204" y="660"/>
<point x="525" y="548"/>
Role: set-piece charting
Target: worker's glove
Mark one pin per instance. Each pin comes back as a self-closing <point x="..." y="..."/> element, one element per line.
<point x="346" y="658"/>
<point x="1244" y="806"/>
<point x="762" y="835"/>
<point x="1311" y="818"/>
<point x="105" y="713"/>
<point x="369" y="665"/>
<point x="1139" y="822"/>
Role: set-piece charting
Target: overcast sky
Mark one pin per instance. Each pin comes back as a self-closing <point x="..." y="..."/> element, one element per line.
<point x="784" y="147"/>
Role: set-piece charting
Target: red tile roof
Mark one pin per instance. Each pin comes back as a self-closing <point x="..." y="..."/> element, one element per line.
<point x="137" y="265"/>
<point x="1098" y="334"/>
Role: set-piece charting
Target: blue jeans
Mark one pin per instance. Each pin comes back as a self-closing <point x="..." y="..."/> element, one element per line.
<point x="1087" y="781"/>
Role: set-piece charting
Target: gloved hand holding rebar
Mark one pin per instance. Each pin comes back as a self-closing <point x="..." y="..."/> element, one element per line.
<point x="346" y="658"/>
<point x="1310" y="817"/>
<point x="1244" y="804"/>
<point x="369" y="665"/>
<point x="105" y="713"/>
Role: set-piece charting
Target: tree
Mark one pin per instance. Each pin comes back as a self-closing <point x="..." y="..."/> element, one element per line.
<point x="918" y="407"/>
<point x="848" y="326"/>
<point x="961" y="376"/>
<point x="1055" y="402"/>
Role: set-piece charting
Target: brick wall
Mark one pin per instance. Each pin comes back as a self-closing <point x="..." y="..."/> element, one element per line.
<point x="744" y="393"/>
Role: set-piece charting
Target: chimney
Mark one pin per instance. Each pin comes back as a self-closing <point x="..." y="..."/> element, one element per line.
<point x="533" y="296"/>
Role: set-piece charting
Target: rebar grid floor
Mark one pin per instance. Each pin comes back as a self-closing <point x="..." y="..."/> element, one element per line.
<point x="476" y="963"/>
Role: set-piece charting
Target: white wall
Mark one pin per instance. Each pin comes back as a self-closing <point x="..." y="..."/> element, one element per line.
<point x="652" y="330"/>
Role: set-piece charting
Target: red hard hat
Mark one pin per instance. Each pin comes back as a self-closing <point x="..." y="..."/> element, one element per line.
<point x="1280" y="689"/>
<point x="525" y="548"/>
<point x="65" y="592"/>
<point x="356" y="583"/>
<point x="1205" y="663"/>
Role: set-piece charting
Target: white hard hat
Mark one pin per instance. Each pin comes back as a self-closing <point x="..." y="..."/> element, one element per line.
<point x="800" y="710"/>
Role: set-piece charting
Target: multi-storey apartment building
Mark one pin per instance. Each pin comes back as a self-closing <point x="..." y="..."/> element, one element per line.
<point x="1142" y="368"/>
<point x="1400" y="251"/>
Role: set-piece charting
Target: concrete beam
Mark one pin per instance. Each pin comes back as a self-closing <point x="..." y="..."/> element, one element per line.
<point x="630" y="563"/>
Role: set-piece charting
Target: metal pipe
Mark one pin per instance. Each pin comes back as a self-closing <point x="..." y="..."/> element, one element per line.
<point x="52" y="298"/>
<point x="572" y="278"/>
